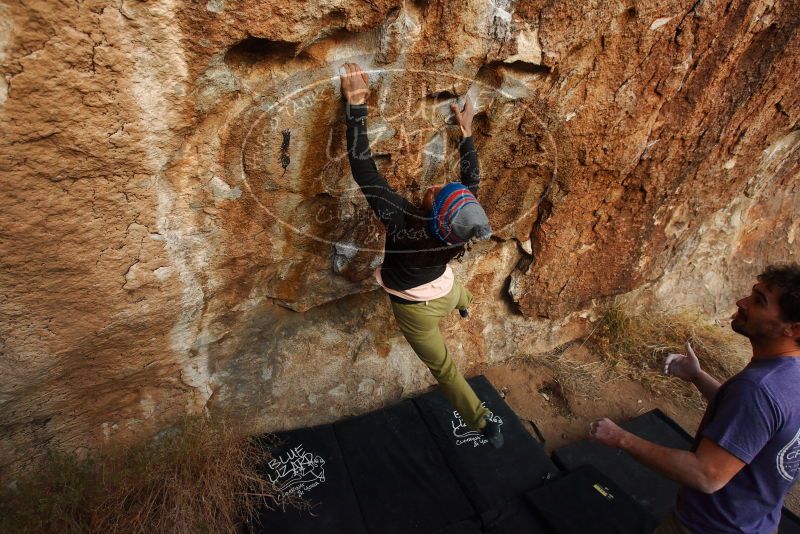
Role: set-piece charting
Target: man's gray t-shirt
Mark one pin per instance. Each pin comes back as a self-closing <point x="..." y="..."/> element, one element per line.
<point x="756" y="417"/>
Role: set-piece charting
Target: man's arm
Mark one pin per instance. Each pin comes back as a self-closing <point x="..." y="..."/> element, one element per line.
<point x="382" y="198"/>
<point x="687" y="367"/>
<point x="707" y="470"/>
<point x="470" y="171"/>
<point x="706" y="384"/>
<point x="744" y="419"/>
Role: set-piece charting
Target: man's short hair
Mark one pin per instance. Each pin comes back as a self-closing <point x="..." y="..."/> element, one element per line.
<point x="785" y="278"/>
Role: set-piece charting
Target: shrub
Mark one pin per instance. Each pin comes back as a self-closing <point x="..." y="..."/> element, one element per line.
<point x="201" y="476"/>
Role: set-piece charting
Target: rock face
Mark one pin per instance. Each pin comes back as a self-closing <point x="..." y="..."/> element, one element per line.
<point x="180" y="230"/>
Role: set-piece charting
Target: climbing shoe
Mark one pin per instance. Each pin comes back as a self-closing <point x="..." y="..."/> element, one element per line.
<point x="492" y="433"/>
<point x="463" y="313"/>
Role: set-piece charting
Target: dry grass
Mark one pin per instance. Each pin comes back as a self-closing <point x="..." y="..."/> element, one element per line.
<point x="200" y="477"/>
<point x="576" y="378"/>
<point x="633" y="347"/>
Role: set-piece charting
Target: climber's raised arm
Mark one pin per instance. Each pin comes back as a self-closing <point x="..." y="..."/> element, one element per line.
<point x="382" y="198"/>
<point x="470" y="172"/>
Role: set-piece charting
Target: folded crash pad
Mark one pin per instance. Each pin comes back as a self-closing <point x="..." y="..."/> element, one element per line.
<point x="308" y="463"/>
<point x="400" y="477"/>
<point x="586" y="500"/>
<point x="655" y="493"/>
<point x="790" y="523"/>
<point x="515" y="517"/>
<point x="462" y="527"/>
<point x="490" y="477"/>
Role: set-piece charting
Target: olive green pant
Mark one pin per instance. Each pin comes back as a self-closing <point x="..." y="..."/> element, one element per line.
<point x="419" y="323"/>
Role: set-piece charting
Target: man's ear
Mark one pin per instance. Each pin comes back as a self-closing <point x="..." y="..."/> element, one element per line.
<point x="793" y="330"/>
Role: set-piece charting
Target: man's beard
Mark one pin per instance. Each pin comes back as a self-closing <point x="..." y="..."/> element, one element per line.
<point x="739" y="324"/>
<point x="740" y="327"/>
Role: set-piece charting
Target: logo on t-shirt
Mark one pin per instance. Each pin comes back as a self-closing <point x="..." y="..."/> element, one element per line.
<point x="464" y="435"/>
<point x="789" y="458"/>
<point x="297" y="471"/>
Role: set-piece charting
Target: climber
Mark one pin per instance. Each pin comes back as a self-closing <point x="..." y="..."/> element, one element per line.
<point x="746" y="453"/>
<point x="420" y="241"/>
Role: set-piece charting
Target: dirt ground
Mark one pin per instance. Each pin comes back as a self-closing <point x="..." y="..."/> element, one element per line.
<point x="561" y="417"/>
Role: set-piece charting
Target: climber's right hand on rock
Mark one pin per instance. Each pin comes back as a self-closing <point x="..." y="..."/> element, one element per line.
<point x="355" y="84"/>
<point x="464" y="117"/>
<point x="684" y="366"/>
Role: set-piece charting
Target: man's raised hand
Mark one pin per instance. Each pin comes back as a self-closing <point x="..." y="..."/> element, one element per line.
<point x="684" y="366"/>
<point x="355" y="84"/>
<point x="464" y="118"/>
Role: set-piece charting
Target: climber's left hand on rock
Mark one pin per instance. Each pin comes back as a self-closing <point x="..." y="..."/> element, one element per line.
<point x="355" y="84"/>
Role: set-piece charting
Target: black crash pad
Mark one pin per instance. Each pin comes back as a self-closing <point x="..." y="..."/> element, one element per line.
<point x="653" y="492"/>
<point x="462" y="527"/>
<point x="309" y="463"/>
<point x="490" y="477"/>
<point x="586" y="500"/>
<point x="400" y="478"/>
<point x="790" y="523"/>
<point x="515" y="517"/>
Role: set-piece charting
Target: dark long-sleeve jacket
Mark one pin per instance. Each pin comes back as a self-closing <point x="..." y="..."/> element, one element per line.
<point x="412" y="255"/>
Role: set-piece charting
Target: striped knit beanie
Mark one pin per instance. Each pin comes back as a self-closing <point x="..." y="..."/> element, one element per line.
<point x="457" y="216"/>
